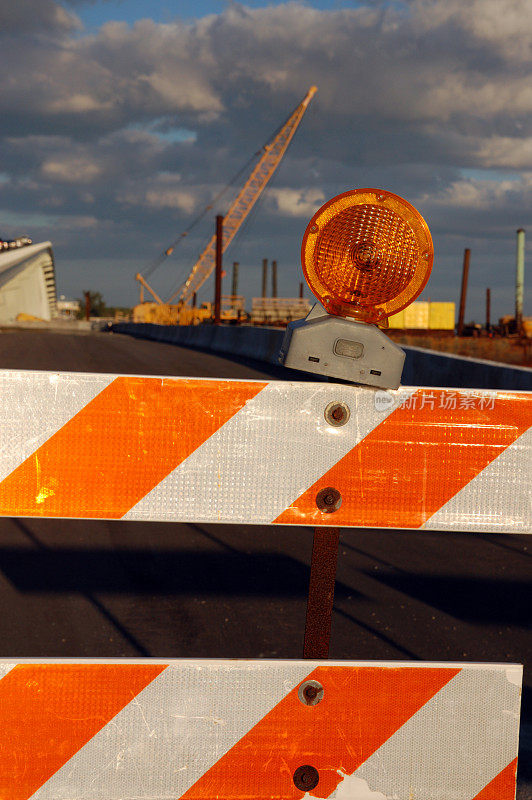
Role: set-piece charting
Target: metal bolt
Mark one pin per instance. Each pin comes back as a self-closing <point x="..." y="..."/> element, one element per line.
<point x="310" y="693"/>
<point x="329" y="500"/>
<point x="337" y="413"/>
<point x="314" y="228"/>
<point x="306" y="777"/>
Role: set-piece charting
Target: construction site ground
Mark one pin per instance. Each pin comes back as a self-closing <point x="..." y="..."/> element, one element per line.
<point x="506" y="350"/>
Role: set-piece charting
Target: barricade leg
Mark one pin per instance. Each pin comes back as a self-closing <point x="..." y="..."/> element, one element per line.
<point x="321" y="592"/>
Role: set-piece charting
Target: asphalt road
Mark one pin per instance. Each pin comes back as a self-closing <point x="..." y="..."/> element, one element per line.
<point x="75" y="588"/>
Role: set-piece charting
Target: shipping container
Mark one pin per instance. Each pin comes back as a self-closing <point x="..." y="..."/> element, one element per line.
<point x="425" y="316"/>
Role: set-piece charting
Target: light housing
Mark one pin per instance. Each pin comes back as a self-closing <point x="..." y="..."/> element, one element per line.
<point x="367" y="254"/>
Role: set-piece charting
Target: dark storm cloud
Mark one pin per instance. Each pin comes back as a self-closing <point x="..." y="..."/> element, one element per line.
<point x="121" y="136"/>
<point x="41" y="16"/>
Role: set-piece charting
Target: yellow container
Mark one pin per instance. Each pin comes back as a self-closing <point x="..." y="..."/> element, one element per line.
<point x="397" y="320"/>
<point x="417" y="316"/>
<point x="441" y="316"/>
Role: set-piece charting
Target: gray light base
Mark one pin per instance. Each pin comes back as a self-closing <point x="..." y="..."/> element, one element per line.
<point x="342" y="348"/>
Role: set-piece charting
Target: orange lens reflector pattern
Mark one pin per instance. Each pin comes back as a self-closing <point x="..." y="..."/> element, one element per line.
<point x="367" y="254"/>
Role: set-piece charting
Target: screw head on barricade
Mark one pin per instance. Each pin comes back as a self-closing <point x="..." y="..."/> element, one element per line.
<point x="310" y="693"/>
<point x="329" y="500"/>
<point x="306" y="777"/>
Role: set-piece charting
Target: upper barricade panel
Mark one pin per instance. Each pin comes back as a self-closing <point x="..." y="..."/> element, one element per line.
<point x="188" y="449"/>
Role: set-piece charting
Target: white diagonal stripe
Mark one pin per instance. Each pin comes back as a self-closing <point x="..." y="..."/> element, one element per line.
<point x="266" y="456"/>
<point x="5" y="668"/>
<point x="35" y="405"/>
<point x="498" y="499"/>
<point x="453" y="746"/>
<point x="165" y="739"/>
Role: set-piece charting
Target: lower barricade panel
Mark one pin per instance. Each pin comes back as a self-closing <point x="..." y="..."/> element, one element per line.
<point x="146" y="730"/>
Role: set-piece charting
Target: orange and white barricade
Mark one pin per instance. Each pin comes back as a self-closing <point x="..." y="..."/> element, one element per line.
<point x="199" y="730"/>
<point x="321" y="454"/>
<point x="144" y="448"/>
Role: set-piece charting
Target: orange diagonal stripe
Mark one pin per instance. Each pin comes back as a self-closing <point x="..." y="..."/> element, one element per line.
<point x="49" y="711"/>
<point x="411" y="464"/>
<point x="120" y="446"/>
<point x="361" y="708"/>
<point x="502" y="787"/>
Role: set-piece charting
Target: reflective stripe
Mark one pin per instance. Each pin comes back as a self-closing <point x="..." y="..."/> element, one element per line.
<point x="483" y="731"/>
<point x="121" y="444"/>
<point x="361" y="708"/>
<point x="414" y="462"/>
<point x="249" y="452"/>
<point x="238" y="730"/>
<point x="264" y="455"/>
<point x="50" y="711"/>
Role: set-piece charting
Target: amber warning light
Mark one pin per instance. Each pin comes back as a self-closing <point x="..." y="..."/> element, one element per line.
<point x="366" y="254"/>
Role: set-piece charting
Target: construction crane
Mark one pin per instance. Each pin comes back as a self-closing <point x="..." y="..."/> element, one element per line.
<point x="245" y="200"/>
<point x="240" y="208"/>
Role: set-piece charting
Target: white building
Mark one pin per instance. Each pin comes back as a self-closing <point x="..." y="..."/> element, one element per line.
<point x="27" y="282"/>
<point x="67" y="309"/>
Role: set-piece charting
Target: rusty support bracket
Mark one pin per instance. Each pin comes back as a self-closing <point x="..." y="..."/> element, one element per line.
<point x="321" y="592"/>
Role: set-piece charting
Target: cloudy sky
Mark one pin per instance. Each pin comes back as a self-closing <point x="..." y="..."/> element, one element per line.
<point x="120" y="120"/>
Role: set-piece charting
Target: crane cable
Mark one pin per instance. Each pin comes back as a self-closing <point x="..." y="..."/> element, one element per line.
<point x="169" y="250"/>
<point x="150" y="269"/>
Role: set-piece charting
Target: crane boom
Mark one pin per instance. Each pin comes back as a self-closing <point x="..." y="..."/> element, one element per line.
<point x="245" y="200"/>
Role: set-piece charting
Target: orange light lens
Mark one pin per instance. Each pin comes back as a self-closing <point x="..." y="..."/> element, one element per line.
<point x="367" y="254"/>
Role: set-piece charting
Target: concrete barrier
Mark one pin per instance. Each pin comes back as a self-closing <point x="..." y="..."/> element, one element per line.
<point x="422" y="367"/>
<point x="55" y="325"/>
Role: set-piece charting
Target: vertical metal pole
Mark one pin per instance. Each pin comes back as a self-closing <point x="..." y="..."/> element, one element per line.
<point x="218" y="271"/>
<point x="301" y="289"/>
<point x="234" y="290"/>
<point x="488" y="310"/>
<point x="264" y="277"/>
<point x="141" y="293"/>
<point x="463" y="292"/>
<point x="519" y="278"/>
<point x="194" y="300"/>
<point x="321" y="592"/>
<point x="87" y="305"/>
<point x="274" y="278"/>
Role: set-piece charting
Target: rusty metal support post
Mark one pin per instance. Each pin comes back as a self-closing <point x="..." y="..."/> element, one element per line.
<point x="301" y="290"/>
<point x="218" y="270"/>
<point x="264" y="277"/>
<point x="234" y="288"/>
<point x="519" y="278"/>
<point x="488" y="310"/>
<point x="87" y="305"/>
<point x="321" y="592"/>
<point x="194" y="300"/>
<point x="274" y="278"/>
<point x="463" y="292"/>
